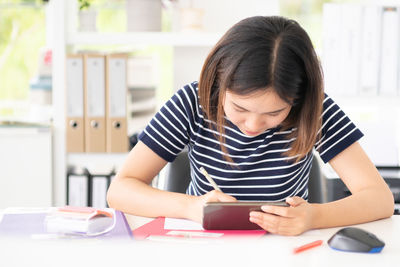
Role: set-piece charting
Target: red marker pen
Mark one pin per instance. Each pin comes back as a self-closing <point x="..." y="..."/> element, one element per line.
<point x="308" y="246"/>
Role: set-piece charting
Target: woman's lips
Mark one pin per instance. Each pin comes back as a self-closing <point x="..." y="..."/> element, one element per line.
<point x="251" y="133"/>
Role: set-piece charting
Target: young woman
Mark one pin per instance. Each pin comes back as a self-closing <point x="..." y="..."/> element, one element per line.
<point x="252" y="121"/>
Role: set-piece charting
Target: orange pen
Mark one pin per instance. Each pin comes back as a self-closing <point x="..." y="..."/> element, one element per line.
<point x="308" y="246"/>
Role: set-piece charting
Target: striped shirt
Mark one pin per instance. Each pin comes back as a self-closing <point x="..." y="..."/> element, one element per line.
<point x="260" y="172"/>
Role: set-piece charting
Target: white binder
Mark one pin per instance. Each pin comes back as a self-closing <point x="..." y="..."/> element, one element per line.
<point x="350" y="39"/>
<point x="95" y="130"/>
<point x="116" y="97"/>
<point x="371" y="30"/>
<point x="75" y="104"/>
<point x="331" y="54"/>
<point x="78" y="190"/>
<point x="389" y="51"/>
<point x="99" y="191"/>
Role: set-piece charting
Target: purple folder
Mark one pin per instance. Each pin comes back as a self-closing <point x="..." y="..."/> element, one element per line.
<point x="28" y="224"/>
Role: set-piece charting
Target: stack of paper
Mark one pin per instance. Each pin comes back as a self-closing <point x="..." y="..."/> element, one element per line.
<point x="79" y="220"/>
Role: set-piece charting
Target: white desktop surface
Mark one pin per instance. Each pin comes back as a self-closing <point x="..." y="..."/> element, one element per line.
<point x="270" y="250"/>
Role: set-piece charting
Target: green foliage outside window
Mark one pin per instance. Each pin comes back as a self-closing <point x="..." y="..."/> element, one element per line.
<point x="22" y="34"/>
<point x="84" y="4"/>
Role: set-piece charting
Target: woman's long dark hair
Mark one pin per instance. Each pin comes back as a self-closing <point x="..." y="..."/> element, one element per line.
<point x="266" y="53"/>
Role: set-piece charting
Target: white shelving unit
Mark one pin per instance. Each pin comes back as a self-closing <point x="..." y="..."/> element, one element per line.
<point x="63" y="35"/>
<point x="357" y="56"/>
<point x="189" y="50"/>
<point x="57" y="11"/>
<point x="144" y="38"/>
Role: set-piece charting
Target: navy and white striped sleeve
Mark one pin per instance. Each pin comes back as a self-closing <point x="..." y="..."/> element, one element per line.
<point x="167" y="132"/>
<point x="337" y="132"/>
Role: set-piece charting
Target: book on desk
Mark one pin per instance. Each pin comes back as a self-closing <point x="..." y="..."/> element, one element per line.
<point x="34" y="223"/>
<point x="172" y="229"/>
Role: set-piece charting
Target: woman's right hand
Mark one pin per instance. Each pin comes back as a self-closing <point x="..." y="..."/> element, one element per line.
<point x="196" y="211"/>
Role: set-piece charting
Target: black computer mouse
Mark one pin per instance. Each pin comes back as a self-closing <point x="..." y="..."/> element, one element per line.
<point x="354" y="239"/>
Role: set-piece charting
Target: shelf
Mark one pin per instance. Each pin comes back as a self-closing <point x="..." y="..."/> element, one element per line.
<point x="197" y="39"/>
<point x="102" y="162"/>
<point x="148" y="105"/>
<point x="379" y="101"/>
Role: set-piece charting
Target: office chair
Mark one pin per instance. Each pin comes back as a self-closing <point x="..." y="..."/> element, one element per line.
<point x="177" y="178"/>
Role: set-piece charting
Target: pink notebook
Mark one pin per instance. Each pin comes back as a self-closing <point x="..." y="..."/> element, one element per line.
<point x="156" y="228"/>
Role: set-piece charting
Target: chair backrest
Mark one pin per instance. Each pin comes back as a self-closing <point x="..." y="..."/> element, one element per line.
<point x="317" y="188"/>
<point x="177" y="174"/>
<point x="177" y="178"/>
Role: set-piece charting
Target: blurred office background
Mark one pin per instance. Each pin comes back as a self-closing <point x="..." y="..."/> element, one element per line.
<point x="165" y="43"/>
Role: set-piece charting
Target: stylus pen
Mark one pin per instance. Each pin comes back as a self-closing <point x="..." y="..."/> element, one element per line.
<point x="308" y="246"/>
<point x="210" y="180"/>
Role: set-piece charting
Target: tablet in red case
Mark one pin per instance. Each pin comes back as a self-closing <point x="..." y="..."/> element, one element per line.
<point x="232" y="215"/>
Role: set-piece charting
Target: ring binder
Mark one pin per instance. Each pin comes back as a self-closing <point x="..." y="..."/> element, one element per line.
<point x="75" y="104"/>
<point x="94" y="87"/>
<point x="116" y="95"/>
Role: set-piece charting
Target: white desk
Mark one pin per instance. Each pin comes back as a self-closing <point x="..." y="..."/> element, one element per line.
<point x="271" y="250"/>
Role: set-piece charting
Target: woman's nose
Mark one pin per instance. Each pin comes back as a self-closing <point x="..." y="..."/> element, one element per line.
<point x="255" y="123"/>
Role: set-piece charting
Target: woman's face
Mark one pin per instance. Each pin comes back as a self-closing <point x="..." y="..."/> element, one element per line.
<point x="255" y="113"/>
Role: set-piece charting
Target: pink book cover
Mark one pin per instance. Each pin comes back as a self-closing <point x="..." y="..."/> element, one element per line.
<point x="156" y="228"/>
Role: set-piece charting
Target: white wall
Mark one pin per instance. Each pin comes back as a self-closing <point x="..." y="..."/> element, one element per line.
<point x="219" y="16"/>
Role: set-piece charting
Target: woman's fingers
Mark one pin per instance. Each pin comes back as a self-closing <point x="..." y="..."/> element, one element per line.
<point x="291" y="220"/>
<point x="218" y="196"/>
<point x="278" y="210"/>
<point x="276" y="224"/>
<point x="285" y="211"/>
<point x="268" y="222"/>
<point x="226" y="198"/>
<point x="295" y="201"/>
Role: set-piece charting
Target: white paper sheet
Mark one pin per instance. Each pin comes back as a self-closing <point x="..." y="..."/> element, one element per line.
<point x="181" y="224"/>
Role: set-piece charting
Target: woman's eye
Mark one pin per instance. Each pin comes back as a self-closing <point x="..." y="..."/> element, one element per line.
<point x="273" y="114"/>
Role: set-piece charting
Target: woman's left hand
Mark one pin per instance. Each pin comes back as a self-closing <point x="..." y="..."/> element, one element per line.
<point x="292" y="220"/>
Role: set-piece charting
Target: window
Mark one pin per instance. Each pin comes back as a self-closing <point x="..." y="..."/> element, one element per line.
<point x="22" y="35"/>
<point x="308" y="13"/>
